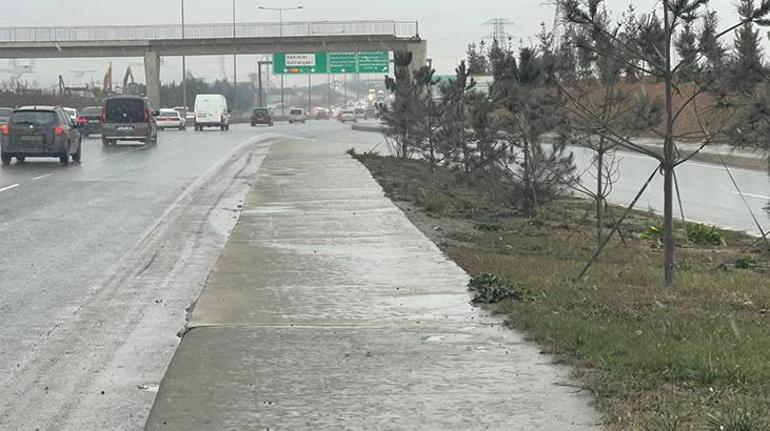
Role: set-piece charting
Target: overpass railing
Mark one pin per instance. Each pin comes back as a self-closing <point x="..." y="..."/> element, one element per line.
<point x="209" y="31"/>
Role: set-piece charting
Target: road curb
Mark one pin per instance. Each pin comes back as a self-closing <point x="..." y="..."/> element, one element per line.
<point x="368" y="128"/>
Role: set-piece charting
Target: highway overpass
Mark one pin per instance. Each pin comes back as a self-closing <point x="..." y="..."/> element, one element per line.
<point x="151" y="42"/>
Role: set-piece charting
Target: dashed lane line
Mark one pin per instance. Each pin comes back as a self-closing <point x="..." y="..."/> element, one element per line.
<point x="5" y="189"/>
<point x="752" y="195"/>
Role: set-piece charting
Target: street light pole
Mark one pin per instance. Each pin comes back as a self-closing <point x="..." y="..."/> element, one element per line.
<point x="184" y="68"/>
<point x="280" y="34"/>
<point x="235" y="65"/>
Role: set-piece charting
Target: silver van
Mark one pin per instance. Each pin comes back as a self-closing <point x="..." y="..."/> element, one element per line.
<point x="128" y="118"/>
<point x="297" y="115"/>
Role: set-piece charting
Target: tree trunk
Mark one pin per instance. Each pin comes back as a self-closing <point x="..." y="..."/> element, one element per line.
<point x="599" y="191"/>
<point x="669" y="243"/>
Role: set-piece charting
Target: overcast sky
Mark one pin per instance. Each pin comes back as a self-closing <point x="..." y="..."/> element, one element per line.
<point x="448" y="25"/>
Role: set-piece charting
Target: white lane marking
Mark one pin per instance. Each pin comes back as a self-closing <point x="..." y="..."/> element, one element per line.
<point x="5" y="189"/>
<point x="752" y="195"/>
<point x="41" y="177"/>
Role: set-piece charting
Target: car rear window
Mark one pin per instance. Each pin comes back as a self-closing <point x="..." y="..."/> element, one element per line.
<point x="169" y="114"/>
<point x="261" y="111"/>
<point x="33" y="117"/>
<point x="92" y="112"/>
<point x="125" y="110"/>
<point x="296" y="112"/>
<point x="6" y="112"/>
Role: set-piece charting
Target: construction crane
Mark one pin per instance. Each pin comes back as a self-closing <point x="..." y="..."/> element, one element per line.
<point x="17" y="70"/>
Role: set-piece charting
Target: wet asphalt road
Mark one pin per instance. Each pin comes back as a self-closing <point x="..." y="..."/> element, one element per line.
<point x="97" y="263"/>
<point x="99" y="260"/>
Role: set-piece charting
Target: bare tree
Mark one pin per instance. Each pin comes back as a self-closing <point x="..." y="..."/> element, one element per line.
<point x="602" y="105"/>
<point x="652" y="51"/>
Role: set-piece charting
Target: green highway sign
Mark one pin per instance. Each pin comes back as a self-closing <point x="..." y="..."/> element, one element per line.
<point x="300" y="63"/>
<point x="332" y="62"/>
<point x="342" y="62"/>
<point x="374" y="62"/>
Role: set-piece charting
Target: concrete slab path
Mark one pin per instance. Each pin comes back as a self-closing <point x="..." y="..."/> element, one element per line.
<point x="328" y="309"/>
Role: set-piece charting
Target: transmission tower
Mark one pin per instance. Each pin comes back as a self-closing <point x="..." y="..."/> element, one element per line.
<point x="499" y="31"/>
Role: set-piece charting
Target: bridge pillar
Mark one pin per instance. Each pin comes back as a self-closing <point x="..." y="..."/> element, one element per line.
<point x="419" y="55"/>
<point x="152" y="77"/>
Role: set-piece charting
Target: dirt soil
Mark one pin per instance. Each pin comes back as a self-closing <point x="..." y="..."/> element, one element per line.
<point x="691" y="357"/>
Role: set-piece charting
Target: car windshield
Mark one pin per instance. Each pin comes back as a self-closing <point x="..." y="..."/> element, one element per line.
<point x="33" y="117"/>
<point x="93" y="111"/>
<point x="125" y="110"/>
<point x="71" y="112"/>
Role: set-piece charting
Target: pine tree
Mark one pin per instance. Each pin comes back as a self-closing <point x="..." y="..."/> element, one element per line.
<point x="585" y="54"/>
<point x="747" y="64"/>
<point x="504" y="70"/>
<point x="567" y="64"/>
<point x="687" y="49"/>
<point x="455" y="96"/>
<point x="629" y="33"/>
<point x="477" y="61"/>
<point x="709" y="44"/>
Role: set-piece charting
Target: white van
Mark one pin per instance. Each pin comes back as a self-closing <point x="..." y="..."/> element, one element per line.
<point x="297" y="115"/>
<point x="211" y="111"/>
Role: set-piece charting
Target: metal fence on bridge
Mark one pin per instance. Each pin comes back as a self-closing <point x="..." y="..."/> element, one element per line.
<point x="209" y="31"/>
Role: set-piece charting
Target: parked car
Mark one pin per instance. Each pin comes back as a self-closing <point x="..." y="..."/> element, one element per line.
<point x="261" y="116"/>
<point x="360" y="112"/>
<point x="5" y="114"/>
<point x="170" y="119"/>
<point x="40" y="131"/>
<point x="297" y="115"/>
<point x="322" y="114"/>
<point x="91" y="121"/>
<point x="211" y="111"/>
<point x="128" y="118"/>
<point x="348" y="115"/>
<point x="72" y="113"/>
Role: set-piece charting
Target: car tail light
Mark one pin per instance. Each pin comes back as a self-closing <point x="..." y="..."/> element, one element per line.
<point x="146" y="115"/>
<point x="104" y="114"/>
<point x="82" y="121"/>
<point x="4" y="129"/>
<point x="59" y="130"/>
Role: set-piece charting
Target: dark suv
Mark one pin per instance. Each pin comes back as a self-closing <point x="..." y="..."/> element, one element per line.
<point x="128" y="118"/>
<point x="261" y="116"/>
<point x="92" y="120"/>
<point x="40" y="131"/>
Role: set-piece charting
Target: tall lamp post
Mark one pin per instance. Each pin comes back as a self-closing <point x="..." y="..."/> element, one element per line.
<point x="184" y="68"/>
<point x="235" y="65"/>
<point x="280" y="11"/>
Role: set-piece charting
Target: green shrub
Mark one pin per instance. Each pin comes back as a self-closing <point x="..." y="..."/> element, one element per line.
<point x="492" y="289"/>
<point x="744" y="262"/>
<point x="430" y="201"/>
<point x="702" y="234"/>
<point x="652" y="233"/>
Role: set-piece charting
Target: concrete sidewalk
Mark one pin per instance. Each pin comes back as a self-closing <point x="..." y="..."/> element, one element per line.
<point x="329" y="310"/>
